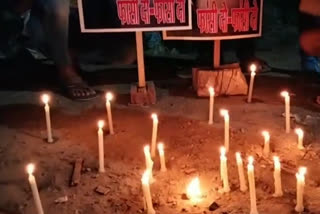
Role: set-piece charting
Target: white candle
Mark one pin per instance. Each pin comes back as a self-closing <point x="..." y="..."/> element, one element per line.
<point x="149" y="162"/>
<point x="286" y="96"/>
<point x="266" y="148"/>
<point x="300" y="188"/>
<point x="101" y="146"/>
<point x="252" y="187"/>
<point x="154" y="134"/>
<point x="109" y="97"/>
<point x="243" y="185"/>
<point x="277" y="178"/>
<point x="45" y="99"/>
<point x="225" y="114"/>
<point x="34" y="188"/>
<point x="211" y="105"/>
<point x="146" y="192"/>
<point x="162" y="158"/>
<point x="253" y="69"/>
<point x="300" y="134"/>
<point x="224" y="170"/>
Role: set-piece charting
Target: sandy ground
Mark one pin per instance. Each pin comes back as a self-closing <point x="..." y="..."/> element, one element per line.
<point x="191" y="146"/>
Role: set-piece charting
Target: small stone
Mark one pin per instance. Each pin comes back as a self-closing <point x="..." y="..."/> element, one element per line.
<point x="183" y="166"/>
<point x="184" y="196"/>
<point x="184" y="210"/>
<point x="95" y="176"/>
<point x="61" y="200"/>
<point x="214" y="206"/>
<point x="102" y="190"/>
<point x="170" y="200"/>
<point x="190" y="171"/>
<point x="172" y="182"/>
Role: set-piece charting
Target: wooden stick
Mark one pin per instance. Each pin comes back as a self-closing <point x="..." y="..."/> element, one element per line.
<point x="216" y="53"/>
<point x="76" y="175"/>
<point x="140" y="59"/>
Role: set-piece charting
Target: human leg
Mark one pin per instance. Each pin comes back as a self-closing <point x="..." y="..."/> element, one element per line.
<point x="53" y="17"/>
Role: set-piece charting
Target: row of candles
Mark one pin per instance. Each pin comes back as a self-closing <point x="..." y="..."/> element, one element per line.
<point x="193" y="190"/>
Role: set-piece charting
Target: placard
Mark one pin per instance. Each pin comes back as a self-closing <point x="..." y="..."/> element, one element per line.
<point x="221" y="20"/>
<point x="102" y="16"/>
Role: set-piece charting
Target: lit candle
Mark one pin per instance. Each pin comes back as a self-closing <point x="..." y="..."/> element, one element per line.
<point x="300" y="188"/>
<point x="225" y="114"/>
<point x="146" y="192"/>
<point x="162" y="158"/>
<point x="211" y="105"/>
<point x="253" y="69"/>
<point x="300" y="134"/>
<point x="252" y="187"/>
<point x="286" y="96"/>
<point x="109" y="97"/>
<point x="154" y="134"/>
<point x="149" y="162"/>
<point x="45" y="99"/>
<point x="101" y="147"/>
<point x="194" y="191"/>
<point x="34" y="188"/>
<point x="224" y="170"/>
<point x="243" y="185"/>
<point x="277" y="178"/>
<point x="266" y="148"/>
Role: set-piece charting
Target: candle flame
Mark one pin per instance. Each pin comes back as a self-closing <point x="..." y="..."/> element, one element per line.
<point x="154" y="116"/>
<point x="100" y="124"/>
<point x="266" y="135"/>
<point x="250" y="159"/>
<point x="160" y="148"/>
<point x="193" y="190"/>
<point x="238" y="155"/>
<point x="223" y="151"/>
<point x="299" y="132"/>
<point x="30" y="168"/>
<point x="285" y="94"/>
<point x="146" y="149"/>
<point x="224" y="112"/>
<point x="45" y="98"/>
<point x="302" y="170"/>
<point x="145" y="177"/>
<point x="211" y="90"/>
<point x="253" y="68"/>
<point x="109" y="96"/>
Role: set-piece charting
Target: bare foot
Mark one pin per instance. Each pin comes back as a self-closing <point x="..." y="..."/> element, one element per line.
<point x="75" y="87"/>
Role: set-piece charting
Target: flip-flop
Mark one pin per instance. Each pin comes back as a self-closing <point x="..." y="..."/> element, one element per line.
<point x="80" y="91"/>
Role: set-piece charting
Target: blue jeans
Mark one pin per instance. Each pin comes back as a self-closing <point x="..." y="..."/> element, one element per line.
<point x="307" y="23"/>
<point x="48" y="29"/>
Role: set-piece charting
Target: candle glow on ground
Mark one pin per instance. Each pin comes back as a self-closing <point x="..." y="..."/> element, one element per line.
<point x="194" y="191"/>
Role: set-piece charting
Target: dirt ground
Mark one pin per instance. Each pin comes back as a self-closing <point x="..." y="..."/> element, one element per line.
<point x="191" y="147"/>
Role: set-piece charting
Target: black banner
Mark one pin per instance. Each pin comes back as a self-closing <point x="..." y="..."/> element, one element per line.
<point x="134" y="15"/>
<point x="222" y="19"/>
